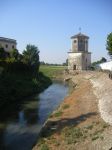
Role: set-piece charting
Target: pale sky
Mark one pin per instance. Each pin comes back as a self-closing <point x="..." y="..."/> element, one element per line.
<point x="49" y="24"/>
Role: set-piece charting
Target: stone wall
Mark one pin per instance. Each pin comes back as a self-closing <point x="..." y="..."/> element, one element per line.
<point x="81" y="60"/>
<point x="75" y="59"/>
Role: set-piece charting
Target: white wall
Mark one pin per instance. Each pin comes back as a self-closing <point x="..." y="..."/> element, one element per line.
<point x="106" y="66"/>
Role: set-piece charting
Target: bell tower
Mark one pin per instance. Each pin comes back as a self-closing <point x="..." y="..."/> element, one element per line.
<point x="79" y="58"/>
<point x="79" y="43"/>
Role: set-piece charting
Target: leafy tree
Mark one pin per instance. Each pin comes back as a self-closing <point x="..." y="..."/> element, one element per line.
<point x="103" y="59"/>
<point x="31" y="57"/>
<point x="14" y="54"/>
<point x="109" y="44"/>
<point x="20" y="57"/>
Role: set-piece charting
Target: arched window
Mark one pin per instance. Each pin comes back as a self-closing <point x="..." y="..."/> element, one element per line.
<point x="75" y="41"/>
<point x="6" y="45"/>
<point x="13" y="46"/>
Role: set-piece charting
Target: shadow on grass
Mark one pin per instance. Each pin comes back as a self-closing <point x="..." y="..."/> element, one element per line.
<point x="52" y="127"/>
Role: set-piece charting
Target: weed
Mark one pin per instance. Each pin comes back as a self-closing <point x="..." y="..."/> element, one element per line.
<point x="66" y="106"/>
<point x="44" y="147"/>
<point x="97" y="134"/>
<point x="101" y="137"/>
<point x="57" y="143"/>
<point x="95" y="137"/>
<point x="74" y="135"/>
<point x="58" y="114"/>
<point x="90" y="127"/>
<point x="105" y="125"/>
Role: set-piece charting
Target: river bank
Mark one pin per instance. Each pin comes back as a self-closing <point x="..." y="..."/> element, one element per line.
<point x="20" y="128"/>
<point x="19" y="81"/>
<point x="77" y="123"/>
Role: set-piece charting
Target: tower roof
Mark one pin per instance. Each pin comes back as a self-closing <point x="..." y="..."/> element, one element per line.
<point x="79" y="35"/>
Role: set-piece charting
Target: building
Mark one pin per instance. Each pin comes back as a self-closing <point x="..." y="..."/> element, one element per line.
<point x="105" y="66"/>
<point x="7" y="44"/>
<point x="78" y="57"/>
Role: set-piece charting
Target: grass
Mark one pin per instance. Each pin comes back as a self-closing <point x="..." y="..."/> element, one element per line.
<point x="95" y="137"/>
<point x="71" y="135"/>
<point x="58" y="114"/>
<point x="66" y="106"/>
<point x="105" y="125"/>
<point x="52" y="71"/>
<point x="75" y="134"/>
<point x="44" y="147"/>
<point x="89" y="127"/>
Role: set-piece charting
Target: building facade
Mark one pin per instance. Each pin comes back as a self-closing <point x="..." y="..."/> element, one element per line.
<point x="8" y="44"/>
<point x="78" y="57"/>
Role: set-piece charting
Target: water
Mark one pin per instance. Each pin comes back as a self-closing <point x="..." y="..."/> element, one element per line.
<point x="20" y="130"/>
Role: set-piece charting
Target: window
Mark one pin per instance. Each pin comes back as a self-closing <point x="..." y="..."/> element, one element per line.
<point x="13" y="46"/>
<point x="75" y="41"/>
<point x="81" y="41"/>
<point x="6" y="46"/>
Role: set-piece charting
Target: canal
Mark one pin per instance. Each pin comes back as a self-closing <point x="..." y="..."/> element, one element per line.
<point x="21" y="129"/>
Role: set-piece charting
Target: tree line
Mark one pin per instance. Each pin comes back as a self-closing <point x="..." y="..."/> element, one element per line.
<point x="109" y="44"/>
<point x="29" y="58"/>
<point x="20" y="76"/>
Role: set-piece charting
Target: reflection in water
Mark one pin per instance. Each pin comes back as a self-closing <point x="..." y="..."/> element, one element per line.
<point x="22" y="120"/>
<point x="51" y="99"/>
<point x="22" y="128"/>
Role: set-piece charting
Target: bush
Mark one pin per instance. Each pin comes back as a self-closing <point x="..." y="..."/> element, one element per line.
<point x="14" y="86"/>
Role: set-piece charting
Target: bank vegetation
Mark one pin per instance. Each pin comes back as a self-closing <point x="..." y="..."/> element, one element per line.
<point x="20" y="76"/>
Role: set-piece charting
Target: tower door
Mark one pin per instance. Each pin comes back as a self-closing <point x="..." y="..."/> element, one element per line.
<point x="74" y="67"/>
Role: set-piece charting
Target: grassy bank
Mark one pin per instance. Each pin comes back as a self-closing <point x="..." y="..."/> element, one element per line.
<point x="17" y="85"/>
<point x="52" y="72"/>
<point x="17" y="81"/>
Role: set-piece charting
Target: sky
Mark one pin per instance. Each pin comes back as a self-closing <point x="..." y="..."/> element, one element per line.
<point x="49" y="24"/>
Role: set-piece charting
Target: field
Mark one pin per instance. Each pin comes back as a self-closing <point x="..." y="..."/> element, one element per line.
<point x="52" y="71"/>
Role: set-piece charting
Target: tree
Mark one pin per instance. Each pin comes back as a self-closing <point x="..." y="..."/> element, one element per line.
<point x="42" y="63"/>
<point x="103" y="59"/>
<point x="66" y="63"/>
<point x="2" y="53"/>
<point x="31" y="57"/>
<point x="109" y="44"/>
<point x="14" y="54"/>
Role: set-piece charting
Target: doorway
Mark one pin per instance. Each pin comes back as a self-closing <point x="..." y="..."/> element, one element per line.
<point x="74" y="67"/>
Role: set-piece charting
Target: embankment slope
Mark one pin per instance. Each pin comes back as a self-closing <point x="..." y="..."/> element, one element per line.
<point x="77" y="124"/>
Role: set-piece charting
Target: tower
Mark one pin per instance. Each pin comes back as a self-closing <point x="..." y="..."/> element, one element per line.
<point x="78" y="57"/>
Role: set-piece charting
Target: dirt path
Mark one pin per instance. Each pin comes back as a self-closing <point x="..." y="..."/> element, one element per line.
<point x="77" y="124"/>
